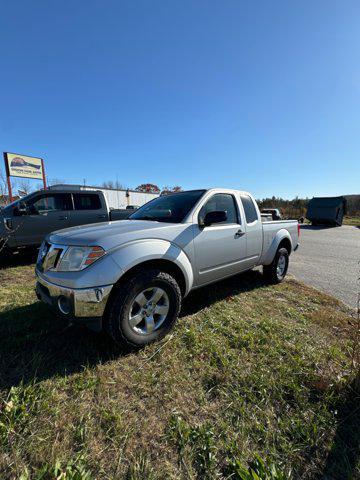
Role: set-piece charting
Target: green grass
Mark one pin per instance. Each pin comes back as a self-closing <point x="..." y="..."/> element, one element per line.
<point x="255" y="382"/>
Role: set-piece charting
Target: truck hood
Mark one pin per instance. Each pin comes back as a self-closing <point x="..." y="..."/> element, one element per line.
<point x="112" y="234"/>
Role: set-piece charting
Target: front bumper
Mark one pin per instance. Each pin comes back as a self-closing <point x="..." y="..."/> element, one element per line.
<point x="73" y="303"/>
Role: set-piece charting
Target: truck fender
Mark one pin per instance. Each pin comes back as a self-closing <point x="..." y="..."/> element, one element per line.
<point x="134" y="253"/>
<point x="271" y="251"/>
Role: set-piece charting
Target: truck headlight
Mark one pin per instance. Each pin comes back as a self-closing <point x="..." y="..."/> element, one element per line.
<point x="78" y="258"/>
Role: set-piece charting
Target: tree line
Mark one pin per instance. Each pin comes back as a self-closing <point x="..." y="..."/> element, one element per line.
<point x="297" y="206"/>
<point x="353" y="205"/>
<point x="144" y="187"/>
<point x="294" y="208"/>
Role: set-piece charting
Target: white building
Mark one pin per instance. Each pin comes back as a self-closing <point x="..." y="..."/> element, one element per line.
<point x="115" y="198"/>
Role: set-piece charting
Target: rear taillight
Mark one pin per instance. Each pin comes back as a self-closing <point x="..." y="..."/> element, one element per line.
<point x="298" y="229"/>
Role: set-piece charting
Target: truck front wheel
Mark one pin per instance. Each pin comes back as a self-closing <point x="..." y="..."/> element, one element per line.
<point x="144" y="309"/>
<point x="276" y="271"/>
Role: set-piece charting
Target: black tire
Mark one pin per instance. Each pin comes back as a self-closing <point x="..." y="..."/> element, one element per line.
<point x="117" y="318"/>
<point x="271" y="271"/>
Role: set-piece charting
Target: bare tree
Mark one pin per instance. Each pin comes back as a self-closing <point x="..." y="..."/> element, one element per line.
<point x="120" y="186"/>
<point x="24" y="186"/>
<point x="4" y="194"/>
<point x="115" y="185"/>
<point x="167" y="190"/>
<point x="3" y="185"/>
<point x="108" y="184"/>
<point x="54" y="181"/>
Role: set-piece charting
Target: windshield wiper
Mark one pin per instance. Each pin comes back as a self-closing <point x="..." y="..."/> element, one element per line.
<point x="144" y="217"/>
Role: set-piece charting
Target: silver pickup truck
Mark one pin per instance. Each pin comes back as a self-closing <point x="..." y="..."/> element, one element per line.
<point x="130" y="276"/>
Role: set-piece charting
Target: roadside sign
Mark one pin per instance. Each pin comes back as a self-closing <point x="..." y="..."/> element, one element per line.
<point x="24" y="166"/>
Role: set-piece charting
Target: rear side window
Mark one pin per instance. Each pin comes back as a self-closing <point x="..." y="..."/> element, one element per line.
<point x="87" y="201"/>
<point x="249" y="208"/>
<point x="223" y="202"/>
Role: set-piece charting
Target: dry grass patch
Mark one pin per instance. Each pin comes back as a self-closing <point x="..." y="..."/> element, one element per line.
<point x="352" y="221"/>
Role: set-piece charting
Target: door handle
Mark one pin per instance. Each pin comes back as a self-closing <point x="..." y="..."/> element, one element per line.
<point x="102" y="215"/>
<point x="239" y="233"/>
<point x="63" y="217"/>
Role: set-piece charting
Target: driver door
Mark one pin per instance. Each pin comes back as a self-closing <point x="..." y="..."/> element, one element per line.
<point x="220" y="249"/>
<point x="46" y="213"/>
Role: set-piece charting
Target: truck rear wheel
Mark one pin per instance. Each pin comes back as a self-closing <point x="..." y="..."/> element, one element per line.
<point x="144" y="309"/>
<point x="276" y="271"/>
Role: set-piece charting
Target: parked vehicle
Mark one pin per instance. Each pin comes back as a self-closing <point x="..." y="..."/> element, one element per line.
<point x="129" y="277"/>
<point x="274" y="212"/>
<point x="26" y="222"/>
<point x="266" y="217"/>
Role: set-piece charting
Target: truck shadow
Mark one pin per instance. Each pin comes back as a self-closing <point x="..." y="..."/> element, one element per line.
<point x="206" y="296"/>
<point x="20" y="259"/>
<point x="317" y="227"/>
<point x="36" y="345"/>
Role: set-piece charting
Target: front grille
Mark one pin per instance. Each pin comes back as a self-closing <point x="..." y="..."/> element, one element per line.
<point x="42" y="255"/>
<point x="52" y="258"/>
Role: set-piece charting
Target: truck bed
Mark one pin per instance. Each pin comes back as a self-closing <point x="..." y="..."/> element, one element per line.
<point x="271" y="229"/>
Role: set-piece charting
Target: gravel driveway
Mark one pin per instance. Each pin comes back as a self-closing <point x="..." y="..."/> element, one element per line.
<point x="328" y="259"/>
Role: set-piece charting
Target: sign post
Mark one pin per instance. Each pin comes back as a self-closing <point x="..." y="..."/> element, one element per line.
<point x="43" y="173"/>
<point x="23" y="166"/>
<point x="8" y="178"/>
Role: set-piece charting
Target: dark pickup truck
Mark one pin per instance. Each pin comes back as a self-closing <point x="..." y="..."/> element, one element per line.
<point x="25" y="223"/>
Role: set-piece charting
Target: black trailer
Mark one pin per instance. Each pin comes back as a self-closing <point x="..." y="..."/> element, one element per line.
<point x="326" y="210"/>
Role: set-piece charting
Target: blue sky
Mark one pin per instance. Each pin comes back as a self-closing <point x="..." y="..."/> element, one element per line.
<point x="257" y="95"/>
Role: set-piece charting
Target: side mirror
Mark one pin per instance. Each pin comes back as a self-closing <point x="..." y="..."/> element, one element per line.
<point x="217" y="216"/>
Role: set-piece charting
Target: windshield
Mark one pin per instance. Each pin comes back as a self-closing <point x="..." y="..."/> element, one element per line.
<point x="171" y="208"/>
<point x="16" y="202"/>
<point x="22" y="199"/>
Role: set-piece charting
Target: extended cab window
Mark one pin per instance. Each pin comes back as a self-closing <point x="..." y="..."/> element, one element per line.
<point x="220" y="202"/>
<point x="49" y="203"/>
<point x="88" y="201"/>
<point x="249" y="208"/>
